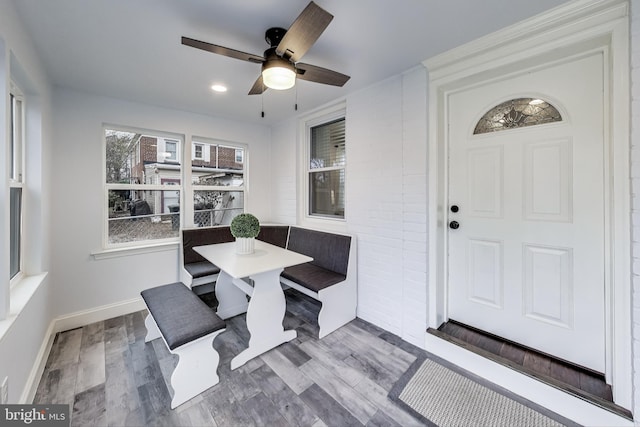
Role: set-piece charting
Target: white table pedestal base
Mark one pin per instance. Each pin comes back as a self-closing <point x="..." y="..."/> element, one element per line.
<point x="264" y="317"/>
<point x="231" y="300"/>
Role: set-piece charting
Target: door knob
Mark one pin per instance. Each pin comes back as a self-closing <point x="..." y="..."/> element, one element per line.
<point x="454" y="208"/>
<point x="454" y="225"/>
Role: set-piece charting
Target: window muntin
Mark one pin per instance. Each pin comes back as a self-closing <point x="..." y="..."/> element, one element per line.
<point x="143" y="187"/>
<point x="516" y="113"/>
<point x="218" y="183"/>
<point x="326" y="169"/>
<point x="16" y="183"/>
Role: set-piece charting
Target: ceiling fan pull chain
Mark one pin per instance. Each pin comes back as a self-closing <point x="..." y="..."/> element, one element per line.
<point x="262" y="100"/>
<point x="296" y="106"/>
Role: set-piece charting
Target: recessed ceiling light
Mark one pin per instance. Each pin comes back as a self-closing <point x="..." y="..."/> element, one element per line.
<point x="219" y="88"/>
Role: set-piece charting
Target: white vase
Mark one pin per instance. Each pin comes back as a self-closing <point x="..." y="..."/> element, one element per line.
<point x="245" y="245"/>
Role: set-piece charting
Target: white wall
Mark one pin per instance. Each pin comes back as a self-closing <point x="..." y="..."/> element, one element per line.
<point x="23" y="332"/>
<point x="635" y="199"/>
<point x="82" y="282"/>
<point x="386" y="200"/>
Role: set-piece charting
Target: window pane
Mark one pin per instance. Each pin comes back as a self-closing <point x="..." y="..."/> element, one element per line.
<point x="16" y="139"/>
<point x="15" y="229"/>
<point x="143" y="215"/>
<point x="216" y="207"/>
<point x="230" y="158"/>
<point x="517" y="113"/>
<point x="326" y="190"/>
<point x="218" y="165"/>
<point x="135" y="158"/>
<point x="327" y="145"/>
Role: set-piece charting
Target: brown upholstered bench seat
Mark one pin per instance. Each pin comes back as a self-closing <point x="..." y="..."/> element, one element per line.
<point x="312" y="277"/>
<point x="201" y="269"/>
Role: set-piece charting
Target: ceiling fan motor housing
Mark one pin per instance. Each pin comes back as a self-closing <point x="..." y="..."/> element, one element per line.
<point x="274" y="35"/>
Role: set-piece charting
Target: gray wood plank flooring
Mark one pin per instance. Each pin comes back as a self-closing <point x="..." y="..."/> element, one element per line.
<point x="110" y="377"/>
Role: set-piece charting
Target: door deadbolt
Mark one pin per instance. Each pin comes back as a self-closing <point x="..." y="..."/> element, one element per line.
<point x="454" y="208"/>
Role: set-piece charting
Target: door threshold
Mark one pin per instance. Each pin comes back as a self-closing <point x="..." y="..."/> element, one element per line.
<point x="506" y="353"/>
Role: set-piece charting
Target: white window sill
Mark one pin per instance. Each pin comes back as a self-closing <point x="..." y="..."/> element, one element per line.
<point x="135" y="250"/>
<point x="19" y="296"/>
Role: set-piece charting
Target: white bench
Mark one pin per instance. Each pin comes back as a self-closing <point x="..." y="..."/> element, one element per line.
<point x="188" y="327"/>
<point x="330" y="278"/>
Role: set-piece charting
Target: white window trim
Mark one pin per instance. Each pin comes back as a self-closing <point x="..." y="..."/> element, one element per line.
<point x="316" y="118"/>
<point x="19" y="183"/>
<point x="188" y="213"/>
<point x="138" y="245"/>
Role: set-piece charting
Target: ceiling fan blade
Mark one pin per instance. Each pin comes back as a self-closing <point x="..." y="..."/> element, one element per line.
<point x="304" y="32"/>
<point x="320" y="75"/>
<point x="258" y="87"/>
<point x="221" y="50"/>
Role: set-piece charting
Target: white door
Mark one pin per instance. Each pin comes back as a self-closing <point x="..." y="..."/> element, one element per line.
<point x="527" y="261"/>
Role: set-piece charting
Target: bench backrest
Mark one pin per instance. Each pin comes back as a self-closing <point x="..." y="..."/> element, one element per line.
<point x="274" y="234"/>
<point x="202" y="236"/>
<point x="329" y="250"/>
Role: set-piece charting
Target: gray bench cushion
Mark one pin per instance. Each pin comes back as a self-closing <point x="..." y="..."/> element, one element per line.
<point x="201" y="269"/>
<point x="202" y="236"/>
<point x="312" y="277"/>
<point x="329" y="251"/>
<point x="180" y="315"/>
<point x="274" y="234"/>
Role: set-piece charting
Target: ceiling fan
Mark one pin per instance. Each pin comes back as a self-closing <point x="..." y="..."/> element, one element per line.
<point x="280" y="65"/>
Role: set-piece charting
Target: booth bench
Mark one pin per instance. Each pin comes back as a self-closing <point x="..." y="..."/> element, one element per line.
<point x="188" y="327"/>
<point x="330" y="278"/>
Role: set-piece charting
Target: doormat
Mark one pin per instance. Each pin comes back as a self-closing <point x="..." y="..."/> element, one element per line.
<point x="441" y="394"/>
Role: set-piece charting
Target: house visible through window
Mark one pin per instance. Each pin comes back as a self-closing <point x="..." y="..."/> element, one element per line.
<point x="218" y="184"/>
<point x="142" y="187"/>
<point x="16" y="192"/>
<point x="326" y="169"/>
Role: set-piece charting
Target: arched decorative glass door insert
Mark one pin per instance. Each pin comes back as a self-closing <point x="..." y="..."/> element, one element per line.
<point x="516" y="113"/>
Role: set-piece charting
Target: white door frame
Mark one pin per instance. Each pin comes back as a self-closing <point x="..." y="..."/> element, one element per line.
<point x="579" y="26"/>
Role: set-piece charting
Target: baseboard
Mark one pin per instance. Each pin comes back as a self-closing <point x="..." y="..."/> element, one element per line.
<point x="562" y="403"/>
<point x="31" y="386"/>
<point x="98" y="314"/>
<point x="72" y="321"/>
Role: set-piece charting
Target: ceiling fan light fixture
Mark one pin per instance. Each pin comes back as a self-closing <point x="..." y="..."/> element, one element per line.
<point x="278" y="74"/>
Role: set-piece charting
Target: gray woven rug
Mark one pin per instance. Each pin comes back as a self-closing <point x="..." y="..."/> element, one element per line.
<point x="444" y="395"/>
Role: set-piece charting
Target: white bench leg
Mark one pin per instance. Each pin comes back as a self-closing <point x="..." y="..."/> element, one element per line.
<point x="153" y="331"/>
<point x="338" y="307"/>
<point x="196" y="370"/>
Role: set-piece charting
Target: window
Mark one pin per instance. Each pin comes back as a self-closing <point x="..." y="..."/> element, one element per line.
<point x="198" y="151"/>
<point x="142" y="191"/>
<point x="218" y="184"/>
<point x="16" y="191"/>
<point x="517" y="113"/>
<point x="326" y="165"/>
<point x="171" y="150"/>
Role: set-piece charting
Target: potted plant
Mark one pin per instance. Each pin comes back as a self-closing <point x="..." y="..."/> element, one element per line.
<point x="245" y="228"/>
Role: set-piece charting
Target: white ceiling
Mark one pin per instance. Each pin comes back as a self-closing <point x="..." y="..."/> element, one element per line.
<point x="131" y="49"/>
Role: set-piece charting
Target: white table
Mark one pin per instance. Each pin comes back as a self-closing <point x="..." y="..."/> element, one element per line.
<point x="265" y="311"/>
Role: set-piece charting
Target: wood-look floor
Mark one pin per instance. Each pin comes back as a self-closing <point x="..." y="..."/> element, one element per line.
<point x="109" y="376"/>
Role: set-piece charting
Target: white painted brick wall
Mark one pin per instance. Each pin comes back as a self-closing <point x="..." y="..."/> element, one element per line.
<point x="283" y="173"/>
<point x="386" y="198"/>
